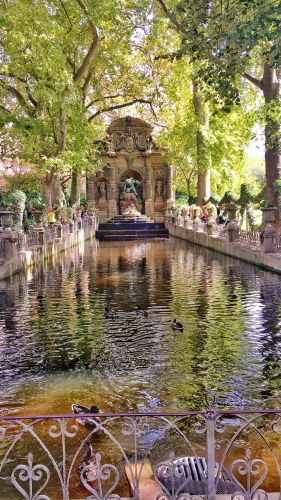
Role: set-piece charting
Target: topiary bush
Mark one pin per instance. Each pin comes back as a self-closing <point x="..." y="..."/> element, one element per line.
<point x="247" y="194"/>
<point x="214" y="198"/>
<point x="229" y="197"/>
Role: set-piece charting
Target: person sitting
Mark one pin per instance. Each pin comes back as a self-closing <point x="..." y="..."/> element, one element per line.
<point x="221" y="219"/>
<point x="51" y="216"/>
<point x="205" y="216"/>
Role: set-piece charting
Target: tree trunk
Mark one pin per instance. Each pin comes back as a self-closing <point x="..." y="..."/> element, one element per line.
<point x="271" y="83"/>
<point x="51" y="190"/>
<point x="202" y="143"/>
<point x="75" y="189"/>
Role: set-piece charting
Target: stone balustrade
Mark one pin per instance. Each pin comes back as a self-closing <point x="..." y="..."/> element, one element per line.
<point x="18" y="250"/>
<point x="261" y="248"/>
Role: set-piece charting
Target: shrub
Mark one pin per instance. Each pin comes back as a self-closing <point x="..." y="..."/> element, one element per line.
<point x="229" y="197"/>
<point x="247" y="194"/>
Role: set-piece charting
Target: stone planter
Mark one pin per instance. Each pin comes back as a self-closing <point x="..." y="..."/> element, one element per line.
<point x="269" y="214"/>
<point x="6" y="217"/>
<point x="38" y="216"/>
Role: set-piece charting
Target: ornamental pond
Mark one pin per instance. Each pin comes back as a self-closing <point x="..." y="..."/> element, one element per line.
<point x="57" y="347"/>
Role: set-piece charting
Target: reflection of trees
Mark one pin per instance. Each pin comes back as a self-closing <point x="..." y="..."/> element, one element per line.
<point x="231" y="313"/>
<point x="220" y="348"/>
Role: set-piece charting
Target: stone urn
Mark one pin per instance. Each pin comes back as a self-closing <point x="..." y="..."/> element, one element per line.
<point x="232" y="212"/>
<point x="38" y="216"/>
<point x="269" y="215"/>
<point x="6" y="217"/>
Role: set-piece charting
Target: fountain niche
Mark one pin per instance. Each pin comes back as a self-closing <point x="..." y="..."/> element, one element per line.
<point x="135" y="179"/>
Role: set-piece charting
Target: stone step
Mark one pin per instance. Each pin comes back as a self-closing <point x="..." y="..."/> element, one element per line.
<point x="117" y="236"/>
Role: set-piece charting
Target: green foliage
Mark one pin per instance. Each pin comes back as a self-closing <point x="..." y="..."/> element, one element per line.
<point x="61" y="69"/>
<point x="24" y="182"/>
<point x="253" y="217"/>
<point x="181" y="198"/>
<point x="277" y="188"/>
<point x="247" y="194"/>
<point x="83" y="200"/>
<point x="266" y="204"/>
<point x="229" y="197"/>
<point x="35" y="201"/>
<point x="224" y="35"/>
<point x="214" y="198"/>
<point x="15" y="200"/>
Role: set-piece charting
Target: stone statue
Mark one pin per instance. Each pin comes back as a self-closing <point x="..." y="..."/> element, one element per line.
<point x="102" y="189"/>
<point x="159" y="189"/>
<point x="110" y="146"/>
<point x="130" y="186"/>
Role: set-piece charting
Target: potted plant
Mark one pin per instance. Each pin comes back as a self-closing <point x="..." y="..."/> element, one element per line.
<point x="69" y="213"/>
<point x="13" y="203"/>
<point x="36" y="205"/>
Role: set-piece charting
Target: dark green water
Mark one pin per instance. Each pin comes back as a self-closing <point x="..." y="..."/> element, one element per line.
<point x="56" y="346"/>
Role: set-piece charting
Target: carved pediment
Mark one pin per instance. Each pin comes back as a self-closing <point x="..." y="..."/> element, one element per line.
<point x="129" y="134"/>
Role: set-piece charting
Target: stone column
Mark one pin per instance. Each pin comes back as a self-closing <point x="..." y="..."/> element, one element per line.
<point x="149" y="206"/>
<point x="10" y="243"/>
<point x="170" y="187"/>
<point x="232" y="231"/>
<point x="268" y="239"/>
<point x="90" y="184"/>
<point x="111" y="192"/>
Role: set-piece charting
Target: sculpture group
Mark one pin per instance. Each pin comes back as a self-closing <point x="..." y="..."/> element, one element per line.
<point x="135" y="173"/>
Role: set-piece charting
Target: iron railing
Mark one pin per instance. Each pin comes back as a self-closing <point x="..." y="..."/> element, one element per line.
<point x="51" y="233"/>
<point x="178" y="455"/>
<point x="277" y="243"/>
<point x="86" y="222"/>
<point x="65" y="228"/>
<point x="250" y="238"/>
<point x="20" y="242"/>
<point x="2" y="247"/>
<point x="32" y="239"/>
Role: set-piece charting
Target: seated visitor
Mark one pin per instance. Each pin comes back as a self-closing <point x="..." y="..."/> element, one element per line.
<point x="221" y="219"/>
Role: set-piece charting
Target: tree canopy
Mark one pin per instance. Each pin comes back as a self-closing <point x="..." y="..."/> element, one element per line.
<point x="65" y="66"/>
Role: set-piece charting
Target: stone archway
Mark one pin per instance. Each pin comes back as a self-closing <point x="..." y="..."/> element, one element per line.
<point x="134" y="174"/>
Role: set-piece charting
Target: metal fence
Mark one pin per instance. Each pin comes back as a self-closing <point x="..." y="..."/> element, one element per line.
<point x="86" y="222"/>
<point x="65" y="228"/>
<point x="20" y="243"/>
<point x="175" y="455"/>
<point x="2" y="247"/>
<point x="51" y="234"/>
<point x="250" y="238"/>
<point x="277" y="243"/>
<point x="32" y="239"/>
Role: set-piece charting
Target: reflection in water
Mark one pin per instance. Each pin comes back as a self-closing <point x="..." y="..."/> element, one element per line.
<point x="57" y="347"/>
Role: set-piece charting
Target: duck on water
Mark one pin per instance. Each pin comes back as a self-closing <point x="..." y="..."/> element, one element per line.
<point x="89" y="423"/>
<point x="177" y="325"/>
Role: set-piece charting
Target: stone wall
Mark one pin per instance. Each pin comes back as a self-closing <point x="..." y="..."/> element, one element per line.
<point x="39" y="253"/>
<point x="270" y="261"/>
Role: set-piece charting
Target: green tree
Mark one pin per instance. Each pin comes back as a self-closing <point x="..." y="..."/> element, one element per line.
<point x="64" y="65"/>
<point x="229" y="39"/>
